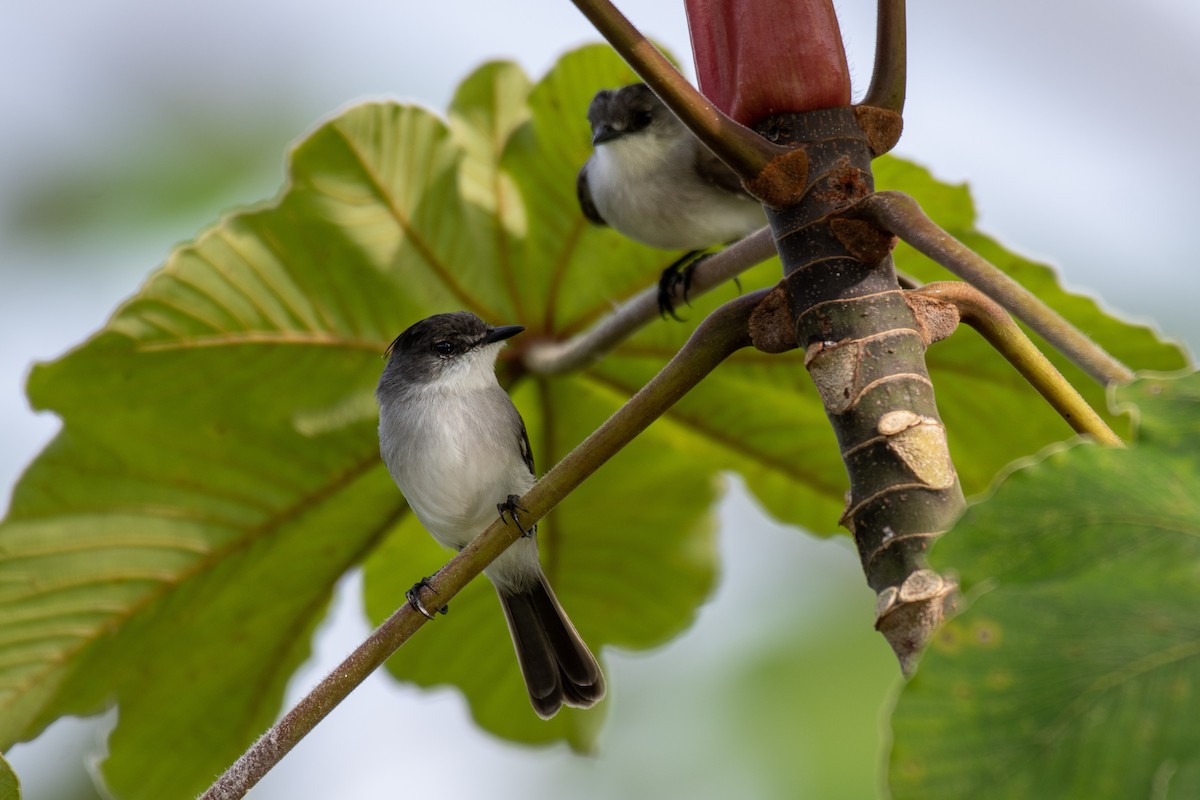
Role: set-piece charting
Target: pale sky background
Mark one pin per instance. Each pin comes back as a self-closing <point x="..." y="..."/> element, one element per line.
<point x="1075" y="122"/>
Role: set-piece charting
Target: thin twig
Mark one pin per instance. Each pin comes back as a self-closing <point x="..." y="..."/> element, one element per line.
<point x="891" y="58"/>
<point x="899" y="214"/>
<point x="998" y="328"/>
<point x="741" y="148"/>
<point x="721" y="334"/>
<point x="555" y="358"/>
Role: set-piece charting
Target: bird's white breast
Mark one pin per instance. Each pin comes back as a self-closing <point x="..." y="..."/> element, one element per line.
<point x="454" y="457"/>
<point x="649" y="191"/>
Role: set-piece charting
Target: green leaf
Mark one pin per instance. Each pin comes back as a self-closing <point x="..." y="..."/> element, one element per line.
<point x="218" y="467"/>
<point x="217" y="471"/>
<point x="10" y="787"/>
<point x="1073" y="673"/>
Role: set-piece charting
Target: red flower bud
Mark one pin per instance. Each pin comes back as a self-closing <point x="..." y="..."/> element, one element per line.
<point x="757" y="58"/>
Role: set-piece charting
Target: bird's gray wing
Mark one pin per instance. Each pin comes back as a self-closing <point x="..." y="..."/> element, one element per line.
<point x="526" y="450"/>
<point x="714" y="171"/>
<point x="584" y="193"/>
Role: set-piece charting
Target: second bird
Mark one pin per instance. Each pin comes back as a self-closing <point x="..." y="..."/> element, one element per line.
<point x="653" y="181"/>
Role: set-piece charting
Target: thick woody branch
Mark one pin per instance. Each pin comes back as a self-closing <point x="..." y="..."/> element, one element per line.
<point x="724" y="332"/>
<point x="742" y="149"/>
<point x="865" y="350"/>
<point x="556" y="358"/>
<point x="899" y="214"/>
<point x="998" y="328"/>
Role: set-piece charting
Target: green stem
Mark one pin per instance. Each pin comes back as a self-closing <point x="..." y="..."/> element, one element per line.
<point x="891" y="58"/>
<point x="899" y="214"/>
<point x="742" y="149"/>
<point x="998" y="328"/>
<point x="720" y="335"/>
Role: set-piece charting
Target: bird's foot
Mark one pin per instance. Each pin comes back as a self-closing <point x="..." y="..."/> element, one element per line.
<point x="510" y="506"/>
<point x="678" y="273"/>
<point x="414" y="598"/>
<point x="690" y="269"/>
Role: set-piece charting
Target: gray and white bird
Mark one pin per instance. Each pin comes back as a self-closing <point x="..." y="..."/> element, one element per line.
<point x="456" y="446"/>
<point x="653" y="181"/>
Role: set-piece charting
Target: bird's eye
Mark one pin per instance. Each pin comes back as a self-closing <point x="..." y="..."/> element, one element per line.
<point x="641" y="119"/>
<point x="443" y="348"/>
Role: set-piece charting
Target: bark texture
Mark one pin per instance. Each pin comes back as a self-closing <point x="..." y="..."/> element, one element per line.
<point x="865" y="351"/>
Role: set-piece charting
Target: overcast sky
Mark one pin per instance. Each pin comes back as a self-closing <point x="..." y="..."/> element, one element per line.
<point x="1074" y="120"/>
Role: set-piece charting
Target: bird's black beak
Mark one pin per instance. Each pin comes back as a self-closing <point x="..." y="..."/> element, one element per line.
<point x="605" y="133"/>
<point x="502" y="333"/>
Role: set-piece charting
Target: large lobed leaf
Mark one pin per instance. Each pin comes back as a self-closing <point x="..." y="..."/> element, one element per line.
<point x="10" y="787"/>
<point x="217" y="472"/>
<point x="1074" y="671"/>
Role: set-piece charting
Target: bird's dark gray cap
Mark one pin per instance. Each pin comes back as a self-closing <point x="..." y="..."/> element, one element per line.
<point x="612" y="112"/>
<point x="413" y="357"/>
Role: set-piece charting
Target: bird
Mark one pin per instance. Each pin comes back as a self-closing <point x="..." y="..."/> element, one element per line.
<point x="457" y="448"/>
<point x="652" y="180"/>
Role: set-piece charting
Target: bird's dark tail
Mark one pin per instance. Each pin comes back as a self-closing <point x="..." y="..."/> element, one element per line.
<point x="557" y="665"/>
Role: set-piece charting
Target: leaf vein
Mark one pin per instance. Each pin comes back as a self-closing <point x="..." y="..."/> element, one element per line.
<point x="440" y="270"/>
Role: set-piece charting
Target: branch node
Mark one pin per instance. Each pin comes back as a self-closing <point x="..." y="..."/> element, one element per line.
<point x="908" y="615"/>
<point x="936" y="319"/>
<point x="771" y="327"/>
<point x="781" y="183"/>
<point x="865" y="241"/>
<point x="882" y="126"/>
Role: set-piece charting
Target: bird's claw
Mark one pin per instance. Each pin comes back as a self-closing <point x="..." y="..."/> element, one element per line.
<point x="510" y="506"/>
<point x="667" y="282"/>
<point x="414" y="598"/>
<point x="679" y="273"/>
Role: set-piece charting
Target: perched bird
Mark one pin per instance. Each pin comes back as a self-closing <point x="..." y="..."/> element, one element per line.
<point x="653" y="181"/>
<point x="456" y="446"/>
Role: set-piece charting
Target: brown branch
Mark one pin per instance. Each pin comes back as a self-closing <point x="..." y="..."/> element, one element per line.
<point x="899" y="214"/>
<point x="556" y="358"/>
